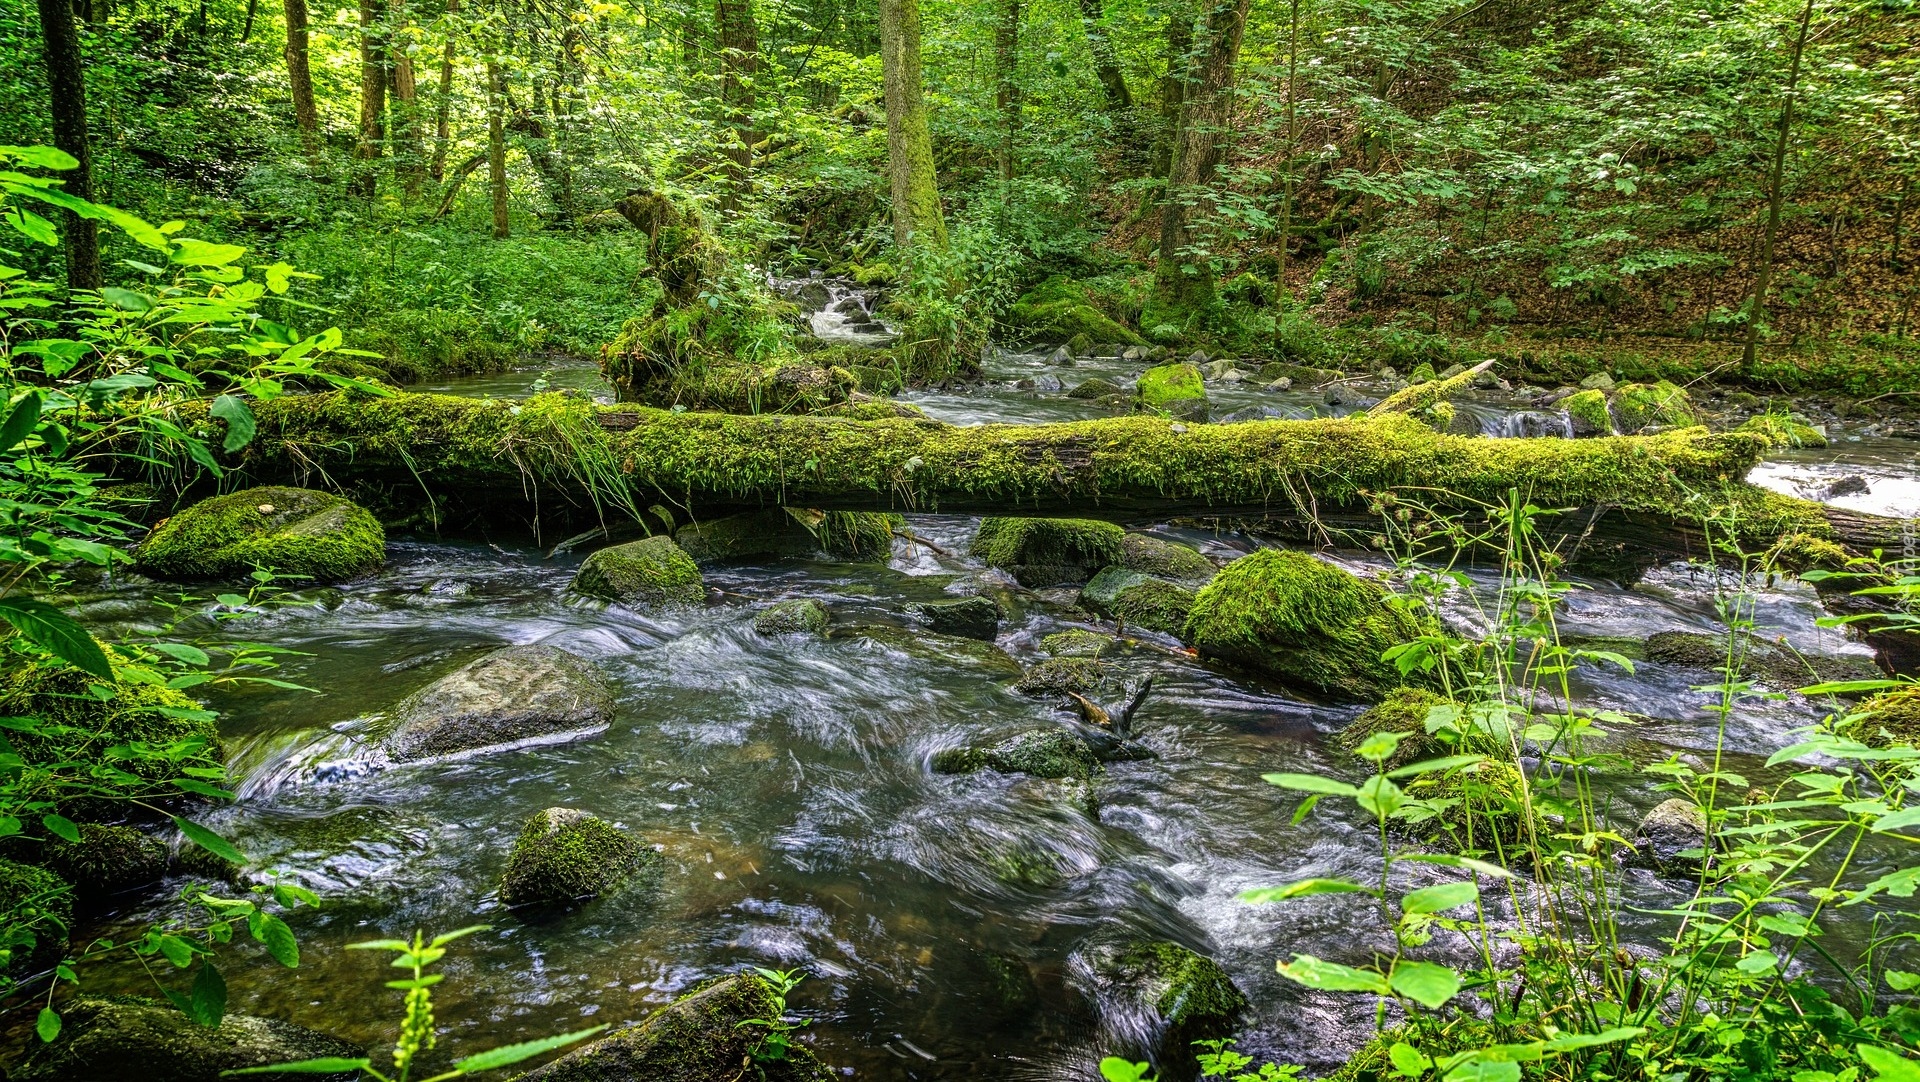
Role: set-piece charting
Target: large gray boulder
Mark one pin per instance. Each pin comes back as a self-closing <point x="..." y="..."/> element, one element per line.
<point x="513" y="694"/>
<point x="124" y="1040"/>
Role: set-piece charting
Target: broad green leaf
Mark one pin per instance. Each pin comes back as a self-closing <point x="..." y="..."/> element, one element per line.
<point x="32" y="226"/>
<point x="1305" y="888"/>
<point x="1758" y="962"/>
<point x="189" y="252"/>
<point x="1380" y="746"/>
<point x="56" y="633"/>
<point x="1901" y="981"/>
<point x="1451" y="860"/>
<point x="1899" y="820"/>
<point x="1481" y="1070"/>
<point x="1434" y="766"/>
<point x="1380" y="796"/>
<point x="1890" y="1066"/>
<point x="514" y="1053"/>
<point x="62" y="826"/>
<point x="126" y="299"/>
<point x="1569" y="1042"/>
<point x="209" y="998"/>
<point x="21" y="421"/>
<point x="180" y="651"/>
<point x="41" y="157"/>
<point x="176" y="950"/>
<point x="279" y="940"/>
<point x="1425" y="983"/>
<point x="1331" y="976"/>
<point x="1311" y="783"/>
<point x="1115" y="1069"/>
<point x="327" y="1065"/>
<point x="47" y="1025"/>
<point x="1408" y="1062"/>
<point x="1439" y="898"/>
<point x="239" y="419"/>
<point x="208" y="840"/>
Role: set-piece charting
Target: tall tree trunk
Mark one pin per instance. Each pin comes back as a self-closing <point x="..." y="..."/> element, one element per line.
<point x="1093" y="16"/>
<point x="67" y="84"/>
<point x="246" y="28"/>
<point x="1173" y="86"/>
<point x="1757" y="307"/>
<point x="1006" y="92"/>
<point x="739" y="60"/>
<point x="497" y="146"/>
<point x="1183" y="287"/>
<point x="408" y="148"/>
<point x="373" y="100"/>
<point x="443" y="105"/>
<point x="915" y="187"/>
<point x="1293" y="151"/>
<point x="306" y="114"/>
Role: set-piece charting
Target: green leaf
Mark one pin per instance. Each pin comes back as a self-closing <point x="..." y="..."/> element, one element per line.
<point x="61" y="825"/>
<point x="1380" y="796"/>
<point x="1439" y="898"/>
<point x="1425" y="983"/>
<point x="1305" y="888"/>
<point x="20" y="423"/>
<point x="180" y="651"/>
<point x="1432" y="766"/>
<point x="200" y="253"/>
<point x="1758" y="962"/>
<point x="56" y="633"/>
<point x="514" y="1053"/>
<point x="126" y="299"/>
<point x="32" y="226"/>
<point x="240" y="423"/>
<point x="1481" y="1070"/>
<point x="1311" y="783"/>
<point x="1115" y="1069"/>
<point x="47" y="1025"/>
<point x="1450" y="860"/>
<point x="1380" y="746"/>
<point x="1407" y="1061"/>
<point x="279" y="940"/>
<point x="208" y="1002"/>
<point x="1890" y="1066"/>
<point x="208" y="840"/>
<point x="1901" y="981"/>
<point x="459" y="933"/>
<point x="1569" y="1042"/>
<point x="1331" y="976"/>
<point x="41" y="157"/>
<point x="328" y="1065"/>
<point x="1899" y="820"/>
<point x="176" y="950"/>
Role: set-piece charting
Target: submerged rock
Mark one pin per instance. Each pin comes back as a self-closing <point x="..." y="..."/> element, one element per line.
<point x="563" y="855"/>
<point x="1759" y="660"/>
<point x="1139" y="600"/>
<point x="117" y="1040"/>
<point x="941" y="649"/>
<point x="1078" y="643"/>
<point x="1174" y="389"/>
<point x="1673" y="827"/>
<point x="513" y="694"/>
<point x="968" y="617"/>
<point x="289" y="531"/>
<point x="780" y="532"/>
<point x="652" y="571"/>
<point x="1159" y="994"/>
<point x="793" y="616"/>
<point x="1303" y="622"/>
<point x="106" y="860"/>
<point x="1048" y="551"/>
<point x="1059" y="675"/>
<point x="1039" y="753"/>
<point x="706" y="1036"/>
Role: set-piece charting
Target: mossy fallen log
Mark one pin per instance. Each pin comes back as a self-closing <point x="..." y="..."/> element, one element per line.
<point x="556" y="450"/>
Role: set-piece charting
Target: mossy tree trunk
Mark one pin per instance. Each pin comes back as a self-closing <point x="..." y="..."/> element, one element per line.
<point x="306" y="113"/>
<point x="497" y="147"/>
<point x="373" y="100"/>
<point x="739" y="61"/>
<point x="67" y="86"/>
<point x="1006" y="90"/>
<point x="443" y="102"/>
<point x="910" y="170"/>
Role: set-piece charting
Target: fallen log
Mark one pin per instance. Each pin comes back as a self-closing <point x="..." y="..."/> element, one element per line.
<point x="572" y="460"/>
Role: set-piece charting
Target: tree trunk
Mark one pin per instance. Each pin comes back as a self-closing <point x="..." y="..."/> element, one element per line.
<point x="739" y="60"/>
<point x="1280" y="296"/>
<point x="497" y="147"/>
<point x="246" y="28"/>
<point x="1183" y="286"/>
<point x="1757" y="307"/>
<point x="373" y="100"/>
<point x="408" y="148"/>
<point x="1093" y="17"/>
<point x="306" y="114"/>
<point x="916" y="191"/>
<point x="443" y="105"/>
<point x="1006" y="92"/>
<point x="67" y="84"/>
<point x="1173" y="93"/>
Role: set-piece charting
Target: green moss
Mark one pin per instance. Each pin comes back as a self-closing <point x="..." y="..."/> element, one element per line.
<point x="1023" y="862"/>
<point x="106" y="859"/>
<point x="1046" y="551"/>
<point x="1057" y="676"/>
<point x="1890" y="719"/>
<point x="780" y="532"/>
<point x="290" y="531"/>
<point x="1403" y="710"/>
<point x="78" y="724"/>
<point x="1139" y="552"/>
<point x="1139" y="600"/>
<point x="1421" y="398"/>
<point x="1197" y="989"/>
<point x="564" y="855"/>
<point x="652" y="571"/>
<point x="1095" y="388"/>
<point x="1760" y="660"/>
<point x="792" y="616"/>
<point x="38" y="905"/>
<point x="958" y="760"/>
<point x="1176" y="389"/>
<point x="1305" y="623"/>
<point x="1784" y="433"/>
<point x="1077" y="643"/>
<point x="1059" y="309"/>
<point x="1639" y="405"/>
<point x="1079" y="345"/>
<point x="1044" y="753"/>
<point x="1798" y="552"/>
<point x="1483" y="802"/>
<point x="857" y="535"/>
<point x="1588" y="409"/>
<point x="1421" y="373"/>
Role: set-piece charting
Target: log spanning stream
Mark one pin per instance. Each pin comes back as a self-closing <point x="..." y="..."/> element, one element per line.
<point x="941" y="919"/>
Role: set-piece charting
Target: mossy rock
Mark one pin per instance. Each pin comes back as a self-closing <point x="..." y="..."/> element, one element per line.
<point x="106" y="860"/>
<point x="1481" y="802"/>
<point x="1077" y="643"/>
<point x="39" y="904"/>
<point x="515" y="694"/>
<point x="1139" y="600"/>
<point x="1801" y="552"/>
<point x="1060" y="309"/>
<point x="1784" y="433"/>
<point x="1305" y="623"/>
<point x="1048" y="551"/>
<point x="1141" y="552"/>
<point x="563" y="856"/>
<point x="651" y="571"/>
<point x="289" y="531"/>
<point x="1060" y="675"/>
<point x="977" y="654"/>
<point x="1302" y="375"/>
<point x="1173" y="389"/>
<point x="1166" y="993"/>
<point x="1080" y="345"/>
<point x="1403" y="710"/>
<point x="1672" y="829"/>
<point x="782" y="532"/>
<point x="797" y="615"/>
<point x="1587" y="410"/>
<point x="78" y="726"/>
<point x="966" y="617"/>
<point x="1095" y="388"/>
<point x="1889" y="719"/>
<point x="706" y="1036"/>
<point x="1761" y="660"/>
<point x="1640" y="405"/>
<point x="115" y="1040"/>
<point x="1041" y="753"/>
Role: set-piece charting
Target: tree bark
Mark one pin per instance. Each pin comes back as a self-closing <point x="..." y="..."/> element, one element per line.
<point x="1182" y="286"/>
<point x="246" y="28"/>
<point x="443" y="105"/>
<point x="497" y="147"/>
<point x="1292" y="113"/>
<point x="1106" y="65"/>
<point x="306" y="114"/>
<point x="910" y="170"/>
<point x="739" y="60"/>
<point x="1006" y="92"/>
<point x="373" y="100"/>
<point x="67" y="86"/>
<point x="1757" y="308"/>
<point x="409" y="149"/>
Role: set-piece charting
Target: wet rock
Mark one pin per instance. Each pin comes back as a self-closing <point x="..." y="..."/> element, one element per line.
<point x="1672" y="828"/>
<point x="1044" y="753"/>
<point x="1760" y="660"/>
<point x="1284" y="383"/>
<point x="1300" y="374"/>
<point x="1198" y="358"/>
<point x="780" y="532"/>
<point x="1587" y="413"/>
<point x="1080" y="345"/>
<point x="985" y="657"/>
<point x="706" y="1036"/>
<point x="1851" y="485"/>
<point x="653" y="571"/>
<point x="1048" y="551"/>
<point x="1173" y="389"/>
<point x="1251" y="413"/>
<point x="1160" y="994"/>
<point x="968" y="618"/>
<point x="813" y="293"/>
<point x="1403" y="711"/>
<point x="1078" y="643"/>
<point x="38" y="902"/>
<point x="793" y="616"/>
<point x="290" y="531"/>
<point x="1057" y="676"/>
<point x="1045" y="384"/>
<point x="1599" y="381"/>
<point x="513" y="694"/>
<point x="1134" y="353"/>
<point x="1061" y="357"/>
<point x="1341" y="395"/>
<point x="1139" y="600"/>
<point x="1094" y="388"/>
<point x="1167" y="559"/>
<point x="106" y="860"/>
<point x="117" y="1040"/>
<point x="564" y="856"/>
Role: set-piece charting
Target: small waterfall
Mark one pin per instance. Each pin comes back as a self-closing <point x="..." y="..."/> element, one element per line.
<point x="268" y="765"/>
<point x="839" y="311"/>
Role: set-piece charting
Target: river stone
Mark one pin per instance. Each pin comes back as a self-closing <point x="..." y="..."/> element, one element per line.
<point x="1094" y="388"/>
<point x="117" y="1040"/>
<point x="1671" y="828"/>
<point x="652" y="571"/>
<point x="564" y="855"/>
<point x="1048" y="551"/>
<point x="792" y="616"/>
<point x="1060" y="675"/>
<point x="516" y="693"/>
<point x="1599" y="381"/>
<point x="1141" y="552"/>
<point x="1173" y="389"/>
<point x="1139" y="600"/>
<point x="968" y="617"/>
<point x="106" y="860"/>
<point x="1160" y="991"/>
<point x="1078" y="642"/>
<point x="707" y="1036"/>
<point x="290" y="531"/>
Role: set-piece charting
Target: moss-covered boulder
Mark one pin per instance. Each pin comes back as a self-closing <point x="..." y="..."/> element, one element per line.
<point x="563" y="856"/>
<point x="1139" y="600"/>
<point x="1167" y="559"/>
<point x="1048" y="551"/>
<point x="1641" y="405"/>
<point x="794" y="616"/>
<point x="1060" y="675"/>
<point x="966" y="617"/>
<point x="1094" y="388"/>
<point x="1760" y="660"/>
<point x="1173" y="389"/>
<point x="1587" y="412"/>
<point x="515" y="694"/>
<point x="651" y="571"/>
<point x="706" y="1036"/>
<point x="782" y="532"/>
<point x="1039" y="753"/>
<point x="106" y="860"/>
<point x="1890" y="719"/>
<point x="1160" y="993"/>
<point x="1475" y="805"/>
<point x="1305" y="623"/>
<point x="39" y="905"/>
<point x="1077" y="643"/>
<point x="121" y="1039"/>
<point x="1403" y="711"/>
<point x="975" y="655"/>
<point x="1784" y="433"/>
<point x="1060" y="309"/>
<point x="1670" y="831"/>
<point x="77" y="725"/>
<point x="295" y="532"/>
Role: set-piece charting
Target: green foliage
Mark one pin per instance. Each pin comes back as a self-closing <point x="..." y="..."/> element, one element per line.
<point x="293" y="532"/>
